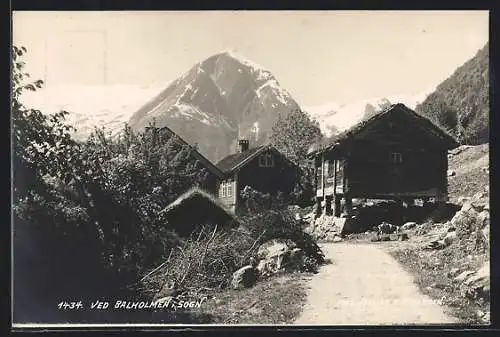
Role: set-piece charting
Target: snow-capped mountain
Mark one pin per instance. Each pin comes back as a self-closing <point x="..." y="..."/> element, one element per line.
<point x="334" y="117"/>
<point x="92" y="106"/>
<point x="219" y="100"/>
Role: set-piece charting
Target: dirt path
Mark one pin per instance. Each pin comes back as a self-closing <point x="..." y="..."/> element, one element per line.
<point x="365" y="286"/>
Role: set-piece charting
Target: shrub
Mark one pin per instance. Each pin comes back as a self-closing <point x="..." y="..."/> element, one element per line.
<point x="268" y="218"/>
<point x="205" y="260"/>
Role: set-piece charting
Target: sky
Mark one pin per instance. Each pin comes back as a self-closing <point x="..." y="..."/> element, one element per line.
<point x="318" y="56"/>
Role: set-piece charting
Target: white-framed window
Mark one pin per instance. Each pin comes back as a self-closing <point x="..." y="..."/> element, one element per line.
<point x="396" y="158"/>
<point x="266" y="160"/>
<point x="226" y="189"/>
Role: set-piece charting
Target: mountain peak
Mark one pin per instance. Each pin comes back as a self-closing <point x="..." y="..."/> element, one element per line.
<point x="233" y="54"/>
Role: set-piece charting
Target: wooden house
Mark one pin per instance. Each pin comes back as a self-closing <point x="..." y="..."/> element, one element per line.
<point x="396" y="154"/>
<point x="196" y="208"/>
<point x="263" y="168"/>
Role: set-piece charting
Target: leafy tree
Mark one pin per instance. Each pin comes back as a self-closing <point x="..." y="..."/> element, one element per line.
<point x="294" y="134"/>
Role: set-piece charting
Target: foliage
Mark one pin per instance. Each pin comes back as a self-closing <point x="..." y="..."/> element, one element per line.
<point x="267" y="218"/>
<point x="205" y="260"/>
<point x="460" y="104"/>
<point x="90" y="208"/>
<point x="294" y="134"/>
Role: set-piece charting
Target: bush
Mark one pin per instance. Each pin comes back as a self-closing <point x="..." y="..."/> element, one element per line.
<point x="205" y="260"/>
<point x="267" y="218"/>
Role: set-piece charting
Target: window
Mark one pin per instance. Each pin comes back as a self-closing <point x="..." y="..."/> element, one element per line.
<point x="266" y="160"/>
<point x="396" y="158"/>
<point x="226" y="189"/>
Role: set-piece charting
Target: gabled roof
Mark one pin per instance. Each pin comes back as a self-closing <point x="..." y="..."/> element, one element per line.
<point x="420" y="121"/>
<point x="235" y="161"/>
<point x="208" y="164"/>
<point x="197" y="195"/>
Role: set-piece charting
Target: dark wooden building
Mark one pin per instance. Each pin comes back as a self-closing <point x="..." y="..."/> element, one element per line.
<point x="396" y="154"/>
<point x="263" y="168"/>
<point x="196" y="208"/>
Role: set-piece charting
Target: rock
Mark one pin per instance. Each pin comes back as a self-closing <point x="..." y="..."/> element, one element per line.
<point x="385" y="237"/>
<point x="462" y="200"/>
<point x="409" y="225"/>
<point x="483" y="219"/>
<point x="486" y="233"/>
<point x="296" y="260"/>
<point x="451" y="173"/>
<point x="449" y="238"/>
<point x="253" y="262"/>
<point x="337" y="238"/>
<point x="463" y="275"/>
<point x="486" y="318"/>
<point x="479" y="195"/>
<point x="386" y="228"/>
<point x="244" y="277"/>
<point x="169" y="289"/>
<point x="438" y="285"/>
<point x="271" y="248"/>
<point x="480" y="313"/>
<point x="403" y="237"/>
<point x="453" y="272"/>
<point x="265" y="267"/>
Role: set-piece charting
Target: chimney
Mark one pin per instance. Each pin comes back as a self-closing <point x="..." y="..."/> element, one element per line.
<point x="243" y="143"/>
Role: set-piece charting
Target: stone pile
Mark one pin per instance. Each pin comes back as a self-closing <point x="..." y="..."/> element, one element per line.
<point x="272" y="256"/>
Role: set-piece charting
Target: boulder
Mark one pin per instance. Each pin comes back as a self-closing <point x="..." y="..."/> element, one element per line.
<point x="409" y="225"/>
<point x="244" y="277"/>
<point x="477" y="284"/>
<point x="462" y="200"/>
<point x="272" y="248"/>
<point x="387" y="228"/>
<point x="449" y="238"/>
<point x="296" y="260"/>
<point x="169" y="289"/>
<point x="266" y="267"/>
<point x="453" y="272"/>
<point x="337" y="238"/>
<point x="385" y="237"/>
<point x="463" y="275"/>
<point x="483" y="219"/>
<point x="451" y="173"/>
<point x="403" y="237"/>
<point x="486" y="318"/>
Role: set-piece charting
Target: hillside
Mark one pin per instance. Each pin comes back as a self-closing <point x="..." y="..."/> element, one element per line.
<point x="470" y="165"/>
<point x="217" y="101"/>
<point x="461" y="103"/>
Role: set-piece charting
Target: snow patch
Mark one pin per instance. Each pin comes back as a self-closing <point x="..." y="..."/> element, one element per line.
<point x="344" y="116"/>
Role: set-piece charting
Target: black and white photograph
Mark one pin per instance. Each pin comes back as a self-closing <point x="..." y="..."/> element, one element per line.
<point x="243" y="168"/>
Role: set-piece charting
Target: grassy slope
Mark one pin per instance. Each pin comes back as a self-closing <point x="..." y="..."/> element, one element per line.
<point x="431" y="269"/>
<point x="277" y="300"/>
<point x="470" y="177"/>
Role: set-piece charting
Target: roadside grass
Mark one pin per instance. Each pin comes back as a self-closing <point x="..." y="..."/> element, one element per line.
<point x="277" y="300"/>
<point x="433" y="272"/>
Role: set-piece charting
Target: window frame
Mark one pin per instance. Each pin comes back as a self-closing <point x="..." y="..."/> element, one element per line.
<point x="226" y="189"/>
<point x="266" y="160"/>
<point x="396" y="158"/>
